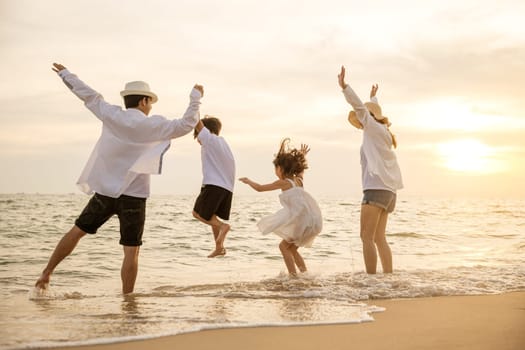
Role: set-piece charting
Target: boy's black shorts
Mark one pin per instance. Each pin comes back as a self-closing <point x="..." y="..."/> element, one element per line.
<point x="131" y="212"/>
<point x="213" y="200"/>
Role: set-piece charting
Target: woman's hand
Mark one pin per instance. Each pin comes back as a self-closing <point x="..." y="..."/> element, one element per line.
<point x="341" y="78"/>
<point x="373" y="91"/>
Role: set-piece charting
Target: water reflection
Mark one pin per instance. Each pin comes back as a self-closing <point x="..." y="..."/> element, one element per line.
<point x="129" y="321"/>
<point x="300" y="309"/>
<point x="130" y="305"/>
<point x="219" y="310"/>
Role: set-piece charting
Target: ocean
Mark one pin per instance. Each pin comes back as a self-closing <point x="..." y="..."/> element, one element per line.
<point x="440" y="247"/>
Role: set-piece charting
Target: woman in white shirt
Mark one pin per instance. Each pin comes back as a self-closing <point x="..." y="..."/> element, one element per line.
<point x="380" y="175"/>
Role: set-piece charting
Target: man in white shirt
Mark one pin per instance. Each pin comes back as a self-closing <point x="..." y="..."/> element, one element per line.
<point x="117" y="173"/>
<point x="218" y="178"/>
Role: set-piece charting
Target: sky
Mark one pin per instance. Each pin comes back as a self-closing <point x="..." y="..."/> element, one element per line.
<point x="450" y="77"/>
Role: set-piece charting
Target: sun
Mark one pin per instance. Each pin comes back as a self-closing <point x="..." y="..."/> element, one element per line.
<point x="469" y="156"/>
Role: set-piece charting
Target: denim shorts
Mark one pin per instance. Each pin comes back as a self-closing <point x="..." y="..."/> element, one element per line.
<point x="131" y="212"/>
<point x="380" y="198"/>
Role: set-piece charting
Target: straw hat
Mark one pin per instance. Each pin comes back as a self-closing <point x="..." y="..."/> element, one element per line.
<point x="373" y="108"/>
<point x="138" y="88"/>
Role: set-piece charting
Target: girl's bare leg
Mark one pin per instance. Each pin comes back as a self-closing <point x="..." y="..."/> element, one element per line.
<point x="298" y="258"/>
<point x="385" y="254"/>
<point x="370" y="216"/>
<point x="288" y="257"/>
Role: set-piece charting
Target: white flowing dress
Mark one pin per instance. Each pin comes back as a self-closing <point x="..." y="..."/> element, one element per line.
<point x="298" y="222"/>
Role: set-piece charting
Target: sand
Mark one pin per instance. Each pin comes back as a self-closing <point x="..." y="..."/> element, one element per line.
<point x="495" y="322"/>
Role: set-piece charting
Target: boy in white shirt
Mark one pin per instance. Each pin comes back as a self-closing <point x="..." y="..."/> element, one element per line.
<point x="218" y="172"/>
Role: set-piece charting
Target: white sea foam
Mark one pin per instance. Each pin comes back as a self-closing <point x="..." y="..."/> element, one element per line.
<point x="362" y="314"/>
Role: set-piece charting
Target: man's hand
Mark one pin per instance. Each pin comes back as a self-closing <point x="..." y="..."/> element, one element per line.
<point x="57" y="67"/>
<point x="199" y="88"/>
<point x="373" y="91"/>
<point x="341" y="78"/>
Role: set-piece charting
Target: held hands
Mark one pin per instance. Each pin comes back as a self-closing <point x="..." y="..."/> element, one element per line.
<point x="199" y="88"/>
<point x="341" y="78"/>
<point x="57" y="67"/>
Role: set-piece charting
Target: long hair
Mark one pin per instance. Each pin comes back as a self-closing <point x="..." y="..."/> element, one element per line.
<point x="291" y="160"/>
<point x="387" y="123"/>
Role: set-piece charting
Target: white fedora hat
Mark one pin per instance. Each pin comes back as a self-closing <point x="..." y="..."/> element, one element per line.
<point x="138" y="88"/>
<point x="373" y="108"/>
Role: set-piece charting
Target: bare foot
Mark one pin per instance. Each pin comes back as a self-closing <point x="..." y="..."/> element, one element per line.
<point x="222" y="235"/>
<point x="42" y="282"/>
<point x="217" y="252"/>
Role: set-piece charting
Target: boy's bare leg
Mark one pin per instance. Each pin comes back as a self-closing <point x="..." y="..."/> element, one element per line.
<point x="224" y="228"/>
<point x="64" y="247"/>
<point x="216" y="231"/>
<point x="219" y="229"/>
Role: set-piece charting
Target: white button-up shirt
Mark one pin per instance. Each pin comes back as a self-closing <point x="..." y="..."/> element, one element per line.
<point x="218" y="164"/>
<point x="131" y="145"/>
<point x="379" y="166"/>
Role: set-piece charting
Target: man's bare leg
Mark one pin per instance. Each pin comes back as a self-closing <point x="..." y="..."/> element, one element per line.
<point x="130" y="267"/>
<point x="383" y="248"/>
<point x="64" y="247"/>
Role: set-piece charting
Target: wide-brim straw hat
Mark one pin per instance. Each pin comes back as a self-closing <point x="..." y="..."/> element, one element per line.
<point x="373" y="108"/>
<point x="138" y="88"/>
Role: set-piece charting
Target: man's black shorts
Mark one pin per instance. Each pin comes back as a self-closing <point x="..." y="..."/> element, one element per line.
<point x="131" y="212"/>
<point x="213" y="200"/>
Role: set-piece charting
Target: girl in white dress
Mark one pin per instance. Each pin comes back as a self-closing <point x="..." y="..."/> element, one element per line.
<point x="299" y="221"/>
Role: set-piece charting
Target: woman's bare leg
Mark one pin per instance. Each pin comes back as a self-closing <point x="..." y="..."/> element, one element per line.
<point x="370" y="216"/>
<point x="383" y="248"/>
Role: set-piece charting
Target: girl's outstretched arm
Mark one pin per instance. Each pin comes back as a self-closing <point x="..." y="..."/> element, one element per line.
<point x="276" y="185"/>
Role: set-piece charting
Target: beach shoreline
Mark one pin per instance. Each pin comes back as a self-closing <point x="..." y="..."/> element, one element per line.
<point x="479" y="322"/>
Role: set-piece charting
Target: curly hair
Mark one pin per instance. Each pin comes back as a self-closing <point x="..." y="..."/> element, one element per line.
<point x="291" y="160"/>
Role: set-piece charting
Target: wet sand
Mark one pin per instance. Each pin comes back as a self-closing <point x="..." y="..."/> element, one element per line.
<point x="459" y="322"/>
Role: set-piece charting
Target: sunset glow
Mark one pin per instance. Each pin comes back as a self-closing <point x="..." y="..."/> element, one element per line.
<point x="470" y="156"/>
<point x="450" y="77"/>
